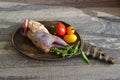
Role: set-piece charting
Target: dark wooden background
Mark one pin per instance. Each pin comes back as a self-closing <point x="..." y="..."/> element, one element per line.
<point x="77" y="3"/>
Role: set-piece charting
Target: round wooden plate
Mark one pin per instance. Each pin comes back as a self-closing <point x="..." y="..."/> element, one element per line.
<point x="26" y="47"/>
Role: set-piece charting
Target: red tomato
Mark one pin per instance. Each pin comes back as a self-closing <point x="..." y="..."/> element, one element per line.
<point x="60" y="29"/>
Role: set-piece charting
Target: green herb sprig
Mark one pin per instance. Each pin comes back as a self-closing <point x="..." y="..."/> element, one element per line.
<point x="70" y="51"/>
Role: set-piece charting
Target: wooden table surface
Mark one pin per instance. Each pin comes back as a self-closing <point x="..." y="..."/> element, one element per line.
<point x="98" y="26"/>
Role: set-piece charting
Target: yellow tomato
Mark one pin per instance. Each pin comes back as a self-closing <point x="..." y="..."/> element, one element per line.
<point x="70" y="30"/>
<point x="70" y="38"/>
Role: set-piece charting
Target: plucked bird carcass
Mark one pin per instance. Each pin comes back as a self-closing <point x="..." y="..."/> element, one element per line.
<point x="40" y="36"/>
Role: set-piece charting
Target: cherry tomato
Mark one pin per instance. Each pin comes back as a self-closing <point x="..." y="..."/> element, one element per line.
<point x="70" y="30"/>
<point x="70" y="38"/>
<point x="60" y="29"/>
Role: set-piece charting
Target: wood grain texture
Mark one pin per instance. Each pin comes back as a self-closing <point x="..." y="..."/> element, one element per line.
<point x="98" y="26"/>
<point x="91" y="72"/>
<point x="77" y="3"/>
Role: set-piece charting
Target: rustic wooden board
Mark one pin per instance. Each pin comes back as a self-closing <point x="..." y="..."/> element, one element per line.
<point x="91" y="72"/>
<point x="100" y="27"/>
<point x="77" y="3"/>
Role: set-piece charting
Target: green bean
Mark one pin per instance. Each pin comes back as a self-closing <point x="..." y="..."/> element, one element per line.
<point x="84" y="57"/>
<point x="75" y="49"/>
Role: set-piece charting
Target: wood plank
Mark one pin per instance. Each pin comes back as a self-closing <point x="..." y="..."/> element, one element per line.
<point x="6" y="45"/>
<point x="5" y="37"/>
<point x="83" y="72"/>
<point x="97" y="0"/>
<point x="10" y="58"/>
<point x="98" y="4"/>
<point x="73" y="3"/>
